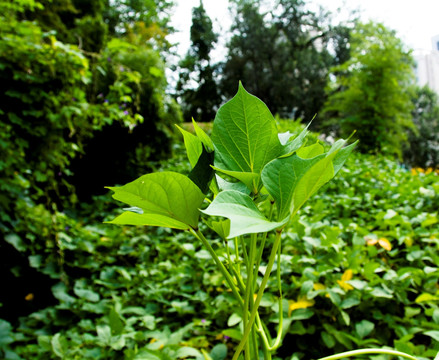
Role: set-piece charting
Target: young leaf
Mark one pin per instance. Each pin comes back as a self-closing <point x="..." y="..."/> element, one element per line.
<point x="245" y="217"/>
<point x="281" y="176"/>
<point x="205" y="139"/>
<point x="245" y="135"/>
<point x="194" y="146"/>
<point x="167" y="199"/>
<point x="289" y="147"/>
<point x="247" y="178"/>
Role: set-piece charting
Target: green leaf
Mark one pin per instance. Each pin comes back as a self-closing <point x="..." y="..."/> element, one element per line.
<point x="193" y="145"/>
<point x="205" y="139"/>
<point x="116" y="323"/>
<point x="234" y="319"/>
<point x="86" y="294"/>
<point x="281" y="176"/>
<point x="318" y="175"/>
<point x="433" y="334"/>
<point x="245" y="217"/>
<point x="187" y="351"/>
<point x="328" y="339"/>
<point x="15" y="241"/>
<point x="364" y="328"/>
<point x="5" y="333"/>
<point x="226" y="185"/>
<point x="247" y="178"/>
<point x="291" y="146"/>
<point x="222" y="228"/>
<point x="59" y="345"/>
<point x="202" y="173"/>
<point x="219" y="352"/>
<point x="245" y="135"/>
<point x="311" y="151"/>
<point x="167" y="199"/>
<point x="233" y="333"/>
<point x="426" y="297"/>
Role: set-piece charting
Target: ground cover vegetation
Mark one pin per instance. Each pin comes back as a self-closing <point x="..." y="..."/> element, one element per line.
<point x="85" y="104"/>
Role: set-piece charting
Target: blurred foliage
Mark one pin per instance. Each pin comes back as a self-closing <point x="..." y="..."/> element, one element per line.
<point x="423" y="140"/>
<point x="280" y="52"/>
<point x="77" y="107"/>
<point x="359" y="269"/>
<point x="83" y="99"/>
<point x="372" y="91"/>
<point x="197" y="86"/>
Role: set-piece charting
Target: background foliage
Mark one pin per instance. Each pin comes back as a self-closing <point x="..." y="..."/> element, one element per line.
<point x="85" y="103"/>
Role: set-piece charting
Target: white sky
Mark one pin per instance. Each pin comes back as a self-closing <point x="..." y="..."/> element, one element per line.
<point x="416" y="22"/>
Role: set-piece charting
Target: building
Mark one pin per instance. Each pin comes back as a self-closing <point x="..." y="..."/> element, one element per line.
<point x="427" y="66"/>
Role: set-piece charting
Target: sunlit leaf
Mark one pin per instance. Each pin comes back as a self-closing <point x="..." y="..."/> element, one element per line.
<point x="167" y="199"/>
<point x="245" y="135"/>
<point x="245" y="217"/>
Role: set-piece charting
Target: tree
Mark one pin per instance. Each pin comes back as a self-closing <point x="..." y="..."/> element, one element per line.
<point x="196" y="87"/>
<point x="422" y="149"/>
<point x="371" y="91"/>
<point x="281" y="55"/>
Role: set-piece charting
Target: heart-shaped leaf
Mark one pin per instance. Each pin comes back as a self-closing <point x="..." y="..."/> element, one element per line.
<point x="280" y="178"/>
<point x="245" y="217"/>
<point x="167" y="199"/>
<point x="245" y="135"/>
<point x="292" y="180"/>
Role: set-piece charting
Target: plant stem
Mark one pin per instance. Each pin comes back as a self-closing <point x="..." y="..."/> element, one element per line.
<point x="248" y="298"/>
<point x="197" y="233"/>
<point x="367" y="351"/>
<point x="281" y="315"/>
<point x="259" y="296"/>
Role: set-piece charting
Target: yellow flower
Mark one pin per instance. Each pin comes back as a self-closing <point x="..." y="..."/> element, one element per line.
<point x="301" y="303"/>
<point x="383" y="242"/>
<point x="414" y="172"/>
<point x="347" y="275"/>
<point x="318" y="286"/>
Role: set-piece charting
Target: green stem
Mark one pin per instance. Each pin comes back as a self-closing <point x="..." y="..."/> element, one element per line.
<point x="368" y="351"/>
<point x="197" y="233"/>
<point x="281" y="315"/>
<point x="259" y="296"/>
<point x="262" y="245"/>
<point x="248" y="299"/>
<point x="237" y="258"/>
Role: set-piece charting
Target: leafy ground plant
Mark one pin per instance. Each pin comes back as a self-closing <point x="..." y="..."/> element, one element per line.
<point x="247" y="182"/>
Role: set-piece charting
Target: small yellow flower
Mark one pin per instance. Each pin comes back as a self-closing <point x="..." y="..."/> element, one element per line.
<point x="318" y="286"/>
<point x="414" y="172"/>
<point x="29" y="297"/>
<point x="301" y="303"/>
<point x="385" y="244"/>
<point x="347" y="275"/>
<point x="428" y="171"/>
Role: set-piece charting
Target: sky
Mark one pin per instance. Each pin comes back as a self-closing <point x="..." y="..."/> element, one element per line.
<point x="415" y="22"/>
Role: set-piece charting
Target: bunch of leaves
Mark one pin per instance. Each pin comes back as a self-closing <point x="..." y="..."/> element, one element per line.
<point x="269" y="169"/>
